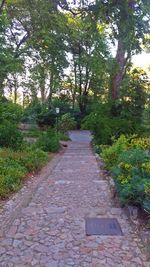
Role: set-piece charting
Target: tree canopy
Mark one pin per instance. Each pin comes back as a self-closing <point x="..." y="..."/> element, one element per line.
<point x="53" y="48"/>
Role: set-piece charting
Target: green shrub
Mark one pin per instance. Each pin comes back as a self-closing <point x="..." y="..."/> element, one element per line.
<point x="11" y="174"/>
<point x="131" y="176"/>
<point x="128" y="159"/>
<point x="33" y="132"/>
<point x="66" y="123"/>
<point x="10" y="136"/>
<point x="110" y="154"/>
<point x="14" y="166"/>
<point x="46" y="117"/>
<point x="104" y="125"/>
<point x="10" y="112"/>
<point x="63" y="103"/>
<point x="39" y="113"/>
<point x="49" y="141"/>
<point x="34" y="159"/>
<point x="63" y="136"/>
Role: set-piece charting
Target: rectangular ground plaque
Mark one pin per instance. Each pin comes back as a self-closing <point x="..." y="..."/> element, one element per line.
<point x="102" y="226"/>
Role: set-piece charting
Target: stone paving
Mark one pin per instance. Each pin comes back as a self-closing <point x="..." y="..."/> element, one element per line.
<point x="50" y="230"/>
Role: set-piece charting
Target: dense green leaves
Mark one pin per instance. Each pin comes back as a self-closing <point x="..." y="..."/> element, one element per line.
<point x="128" y="160"/>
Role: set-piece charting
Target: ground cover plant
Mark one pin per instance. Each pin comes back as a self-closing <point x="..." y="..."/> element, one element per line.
<point x="128" y="160"/>
<point x="10" y="136"/>
<point x="49" y="141"/>
<point x="18" y="158"/>
<point x="15" y="165"/>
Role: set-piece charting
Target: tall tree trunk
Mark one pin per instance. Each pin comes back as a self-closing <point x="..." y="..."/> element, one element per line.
<point x="42" y="90"/>
<point x="75" y="86"/>
<point x="15" y="89"/>
<point x="81" y="104"/>
<point x="80" y="72"/>
<point x="1" y="88"/>
<point x="119" y="70"/>
<point x="51" y="89"/>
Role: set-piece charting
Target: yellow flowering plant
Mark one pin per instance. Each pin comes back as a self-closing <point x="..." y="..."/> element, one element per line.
<point x="128" y="159"/>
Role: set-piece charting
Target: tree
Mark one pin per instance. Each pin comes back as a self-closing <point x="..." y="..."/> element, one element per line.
<point x="128" y="21"/>
<point x="88" y="49"/>
<point x="134" y="94"/>
<point x="35" y="33"/>
<point x="8" y="62"/>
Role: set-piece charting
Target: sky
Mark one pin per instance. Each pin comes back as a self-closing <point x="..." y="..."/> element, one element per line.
<point x="142" y="60"/>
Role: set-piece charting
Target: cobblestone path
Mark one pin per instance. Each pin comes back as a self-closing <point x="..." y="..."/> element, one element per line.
<point x="50" y="230"/>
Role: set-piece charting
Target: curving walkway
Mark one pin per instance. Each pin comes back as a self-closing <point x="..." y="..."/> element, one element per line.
<point x="49" y="231"/>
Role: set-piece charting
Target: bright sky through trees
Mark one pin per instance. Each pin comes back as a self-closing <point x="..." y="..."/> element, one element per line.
<point x="142" y="60"/>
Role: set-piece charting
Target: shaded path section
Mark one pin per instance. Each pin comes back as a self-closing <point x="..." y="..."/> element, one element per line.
<point x="50" y="231"/>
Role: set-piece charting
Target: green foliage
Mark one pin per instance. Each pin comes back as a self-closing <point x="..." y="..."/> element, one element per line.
<point x="8" y="62"/>
<point x="34" y="158"/>
<point x="85" y="33"/>
<point x="63" y="136"/>
<point x="14" y="166"/>
<point x="31" y="111"/>
<point x="132" y="177"/>
<point x="66" y="123"/>
<point x="99" y="126"/>
<point x="133" y="94"/>
<point x="46" y="118"/>
<point x="105" y="126"/>
<point x="128" y="159"/>
<point x="39" y="113"/>
<point x="10" y="112"/>
<point x="110" y="153"/>
<point x="10" y="136"/>
<point x="33" y="132"/>
<point x="63" y="103"/>
<point x="49" y="141"/>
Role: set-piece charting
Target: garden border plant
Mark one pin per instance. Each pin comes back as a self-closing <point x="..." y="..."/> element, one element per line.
<point x="128" y="160"/>
<point x="16" y="165"/>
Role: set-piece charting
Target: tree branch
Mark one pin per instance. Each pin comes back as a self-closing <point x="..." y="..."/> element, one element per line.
<point x="2" y="5"/>
<point x="25" y="37"/>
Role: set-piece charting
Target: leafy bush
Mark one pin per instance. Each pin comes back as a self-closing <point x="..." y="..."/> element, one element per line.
<point x="35" y="159"/>
<point x="33" y="132"/>
<point x="32" y="158"/>
<point x="142" y="142"/>
<point x="49" y="141"/>
<point x="39" y="113"/>
<point x="106" y="123"/>
<point x="47" y="117"/>
<point x="10" y="112"/>
<point x="128" y="159"/>
<point x="66" y="123"/>
<point x="110" y="154"/>
<point x="63" y="136"/>
<point x="78" y="116"/>
<point x="63" y="103"/>
<point x="131" y="175"/>
<point x="14" y="166"/>
<point x="104" y="127"/>
<point x="10" y="136"/>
